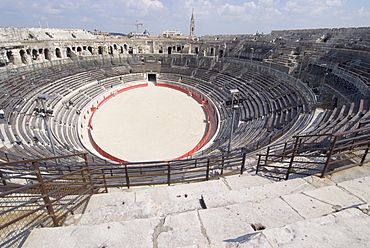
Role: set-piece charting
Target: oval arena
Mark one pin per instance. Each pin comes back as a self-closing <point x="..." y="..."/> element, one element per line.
<point x="280" y="122"/>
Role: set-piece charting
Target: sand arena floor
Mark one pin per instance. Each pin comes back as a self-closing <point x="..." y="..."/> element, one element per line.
<point x="148" y="124"/>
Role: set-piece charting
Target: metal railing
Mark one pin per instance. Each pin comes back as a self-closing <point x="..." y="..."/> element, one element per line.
<point x="34" y="193"/>
<point x="320" y="154"/>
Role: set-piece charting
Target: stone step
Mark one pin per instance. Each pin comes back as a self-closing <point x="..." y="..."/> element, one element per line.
<point x="333" y="230"/>
<point x="173" y="216"/>
<point x="160" y="201"/>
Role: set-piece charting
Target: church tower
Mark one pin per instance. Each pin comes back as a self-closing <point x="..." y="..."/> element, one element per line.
<point x="192" y="25"/>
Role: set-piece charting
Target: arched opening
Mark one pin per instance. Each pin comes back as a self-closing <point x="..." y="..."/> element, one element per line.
<point x="90" y="49"/>
<point x="100" y="50"/>
<point x="221" y="53"/>
<point x="35" y="54"/>
<point x="69" y="52"/>
<point x="10" y="56"/>
<point x="121" y="49"/>
<point x="169" y="50"/>
<point x="23" y="56"/>
<point x="125" y="47"/>
<point x="47" y="54"/>
<point x="115" y="47"/>
<point x="79" y="50"/>
<point x="196" y="50"/>
<point x="130" y="50"/>
<point x="212" y="51"/>
<point x="110" y="50"/>
<point x="160" y="49"/>
<point x="58" y="53"/>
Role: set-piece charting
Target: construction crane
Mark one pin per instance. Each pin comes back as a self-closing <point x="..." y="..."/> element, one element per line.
<point x="137" y="24"/>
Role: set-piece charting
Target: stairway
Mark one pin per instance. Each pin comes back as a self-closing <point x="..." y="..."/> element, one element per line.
<point x="236" y="211"/>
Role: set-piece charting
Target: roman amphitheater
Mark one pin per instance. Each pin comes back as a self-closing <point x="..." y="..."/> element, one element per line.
<point x="216" y="141"/>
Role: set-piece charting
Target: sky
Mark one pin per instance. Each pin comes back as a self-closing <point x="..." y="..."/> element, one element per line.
<point x="211" y="16"/>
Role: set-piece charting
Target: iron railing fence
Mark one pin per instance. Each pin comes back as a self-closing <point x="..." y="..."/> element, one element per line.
<point x="169" y="172"/>
<point x="34" y="195"/>
<point x="320" y="154"/>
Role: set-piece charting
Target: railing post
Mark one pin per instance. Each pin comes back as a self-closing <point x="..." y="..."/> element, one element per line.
<point x="292" y="158"/>
<point x="207" y="172"/>
<point x="104" y="180"/>
<point x="365" y="154"/>
<point x="89" y="173"/>
<point x="168" y="173"/>
<point x="284" y="150"/>
<point x="222" y="165"/>
<point x="45" y="195"/>
<point x="127" y="177"/>
<point x="329" y="156"/>
<point x="267" y="154"/>
<point x="243" y="164"/>
<point x="258" y="163"/>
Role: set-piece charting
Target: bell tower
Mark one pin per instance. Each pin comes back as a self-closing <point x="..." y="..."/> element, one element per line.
<point x="192" y="25"/>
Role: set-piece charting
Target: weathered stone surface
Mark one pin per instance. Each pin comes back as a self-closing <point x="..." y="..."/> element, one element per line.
<point x="334" y="196"/>
<point x="257" y="193"/>
<point x="181" y="192"/>
<point x="306" y="206"/>
<point x="137" y="233"/>
<point x="179" y="230"/>
<point x="318" y="182"/>
<point x="245" y="181"/>
<point x="359" y="187"/>
<point x="347" y="228"/>
<point x="352" y="173"/>
<point x="137" y="210"/>
<point x="236" y="220"/>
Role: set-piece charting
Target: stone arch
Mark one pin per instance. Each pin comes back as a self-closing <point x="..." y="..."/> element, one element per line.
<point x="169" y="50"/>
<point x="90" y="49"/>
<point x="58" y="53"/>
<point x="125" y="47"/>
<point x="10" y="56"/>
<point x="115" y="46"/>
<point x="121" y="49"/>
<point x="22" y="53"/>
<point x="130" y="50"/>
<point x="212" y="51"/>
<point x="69" y="52"/>
<point x="100" y="50"/>
<point x="221" y="53"/>
<point x="35" y="54"/>
<point x="160" y="50"/>
<point x="196" y="50"/>
<point x="79" y="50"/>
<point x="47" y="54"/>
<point x="110" y="50"/>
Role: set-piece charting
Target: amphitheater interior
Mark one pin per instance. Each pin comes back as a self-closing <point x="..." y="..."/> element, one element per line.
<point x="285" y="105"/>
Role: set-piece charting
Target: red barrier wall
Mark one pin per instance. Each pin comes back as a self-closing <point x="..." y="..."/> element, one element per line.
<point x="96" y="146"/>
<point x="210" y="113"/>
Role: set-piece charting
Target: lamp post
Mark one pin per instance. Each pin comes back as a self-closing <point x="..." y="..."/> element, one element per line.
<point x="234" y="104"/>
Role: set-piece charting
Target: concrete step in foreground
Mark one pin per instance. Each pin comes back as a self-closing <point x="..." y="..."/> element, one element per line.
<point x="245" y="211"/>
